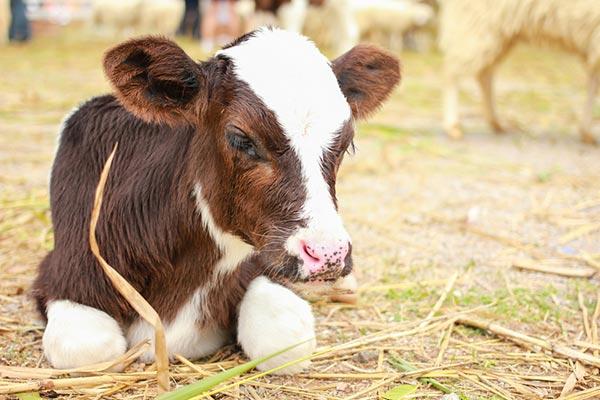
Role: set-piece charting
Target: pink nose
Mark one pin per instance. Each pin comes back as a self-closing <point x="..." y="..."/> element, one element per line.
<point x="319" y="256"/>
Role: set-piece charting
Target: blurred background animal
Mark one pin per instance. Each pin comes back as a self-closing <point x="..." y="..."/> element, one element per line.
<point x="475" y="36"/>
<point x="337" y="25"/>
<point x="137" y="16"/>
<point x="287" y="14"/>
<point x="160" y="16"/>
<point x="115" y="16"/>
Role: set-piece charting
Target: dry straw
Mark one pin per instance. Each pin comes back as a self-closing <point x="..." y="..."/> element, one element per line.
<point x="521" y="338"/>
<point x="139" y="304"/>
<point x="548" y="267"/>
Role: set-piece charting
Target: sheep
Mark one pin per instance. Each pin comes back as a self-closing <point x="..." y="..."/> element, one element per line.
<point x="340" y="24"/>
<point x="286" y="14"/>
<point x="291" y="15"/>
<point x="115" y="15"/>
<point x="388" y="20"/>
<point x="332" y="26"/>
<point x="160" y="16"/>
<point x="141" y="16"/>
<point x="476" y="35"/>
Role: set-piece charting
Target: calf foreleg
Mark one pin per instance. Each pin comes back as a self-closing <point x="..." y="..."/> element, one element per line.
<point x="78" y="335"/>
<point x="271" y="318"/>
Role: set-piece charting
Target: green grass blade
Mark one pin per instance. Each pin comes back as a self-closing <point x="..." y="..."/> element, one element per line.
<point x="210" y="382"/>
<point x="399" y="392"/>
<point x="268" y="372"/>
<point x="29" y="396"/>
<point x="404" y="366"/>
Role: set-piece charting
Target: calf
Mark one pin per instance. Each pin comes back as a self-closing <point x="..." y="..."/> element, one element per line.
<point x="221" y="192"/>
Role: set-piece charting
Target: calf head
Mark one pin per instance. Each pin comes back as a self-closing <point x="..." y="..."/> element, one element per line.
<point x="273" y="119"/>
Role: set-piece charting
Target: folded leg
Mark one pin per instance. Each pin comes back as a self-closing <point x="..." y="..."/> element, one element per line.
<point x="78" y="335"/>
<point x="271" y="318"/>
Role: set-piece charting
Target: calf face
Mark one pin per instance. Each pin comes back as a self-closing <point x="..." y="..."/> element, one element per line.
<point x="273" y="119"/>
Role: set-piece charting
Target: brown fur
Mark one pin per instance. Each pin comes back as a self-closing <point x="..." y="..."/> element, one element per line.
<point x="367" y="75"/>
<point x="155" y="79"/>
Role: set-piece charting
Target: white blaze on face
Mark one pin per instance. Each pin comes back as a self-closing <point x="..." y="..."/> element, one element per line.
<point x="295" y="81"/>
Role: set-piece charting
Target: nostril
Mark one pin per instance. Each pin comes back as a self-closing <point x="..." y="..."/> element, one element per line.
<point x="310" y="252"/>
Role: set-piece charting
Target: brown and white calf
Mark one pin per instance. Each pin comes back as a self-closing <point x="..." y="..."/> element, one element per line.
<point x="223" y="185"/>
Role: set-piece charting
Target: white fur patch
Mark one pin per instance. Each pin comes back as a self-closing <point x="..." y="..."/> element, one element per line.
<point x="295" y="81"/>
<point x="184" y="335"/>
<point x="63" y="123"/>
<point x="272" y="318"/>
<point x="61" y="129"/>
<point x="78" y="335"/>
<point x="233" y="249"/>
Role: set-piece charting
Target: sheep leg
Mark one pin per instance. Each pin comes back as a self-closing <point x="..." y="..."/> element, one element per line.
<point x="585" y="128"/>
<point x="485" y="79"/>
<point x="451" y="114"/>
<point x="349" y="33"/>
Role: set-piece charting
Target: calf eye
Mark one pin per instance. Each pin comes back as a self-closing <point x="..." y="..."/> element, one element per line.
<point x="240" y="142"/>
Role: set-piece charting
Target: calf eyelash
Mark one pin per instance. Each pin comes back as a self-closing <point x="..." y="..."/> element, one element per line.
<point x="239" y="141"/>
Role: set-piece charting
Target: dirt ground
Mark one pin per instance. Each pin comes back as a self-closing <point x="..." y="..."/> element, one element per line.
<point x="422" y="210"/>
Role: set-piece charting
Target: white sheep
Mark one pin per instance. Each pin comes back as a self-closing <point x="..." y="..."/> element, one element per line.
<point x="476" y="35"/>
<point x="332" y="26"/>
<point x="289" y="16"/>
<point x="120" y="16"/>
<point x="386" y="21"/>
<point x="139" y="16"/>
<point x="340" y="24"/>
<point x="160" y="16"/>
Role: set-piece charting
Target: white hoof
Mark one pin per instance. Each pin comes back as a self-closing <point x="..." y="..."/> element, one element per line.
<point x="272" y="318"/>
<point x="78" y="335"/>
<point x="345" y="290"/>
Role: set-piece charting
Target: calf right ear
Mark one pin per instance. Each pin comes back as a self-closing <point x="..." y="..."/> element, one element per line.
<point x="154" y="79"/>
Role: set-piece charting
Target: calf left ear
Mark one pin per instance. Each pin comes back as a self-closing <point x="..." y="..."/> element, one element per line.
<point x="154" y="79"/>
<point x="367" y="75"/>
